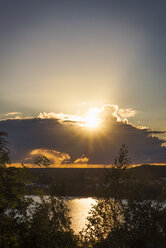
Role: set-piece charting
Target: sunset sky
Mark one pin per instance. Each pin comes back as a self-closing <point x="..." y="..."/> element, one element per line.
<point x="79" y="78"/>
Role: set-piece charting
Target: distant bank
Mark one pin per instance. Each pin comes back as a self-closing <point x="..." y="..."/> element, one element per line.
<point x="88" y="182"/>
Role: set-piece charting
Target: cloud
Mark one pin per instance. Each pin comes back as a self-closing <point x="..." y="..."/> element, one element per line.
<point x="13" y="113"/>
<point x="54" y="156"/>
<point x="156" y="132"/>
<point x="61" y="136"/>
<point x="127" y="113"/>
<point x="16" y="116"/>
<point x="111" y="111"/>
<point x="82" y="160"/>
<point x="61" y="117"/>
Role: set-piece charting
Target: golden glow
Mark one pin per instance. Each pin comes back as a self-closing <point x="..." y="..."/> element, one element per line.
<point x="79" y="211"/>
<point x="92" y="120"/>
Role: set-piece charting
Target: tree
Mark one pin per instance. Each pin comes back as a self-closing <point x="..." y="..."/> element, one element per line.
<point x="50" y="225"/>
<point x="23" y="222"/>
<point x="124" y="217"/>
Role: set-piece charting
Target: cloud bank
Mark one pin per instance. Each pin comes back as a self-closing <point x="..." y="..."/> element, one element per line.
<point x="62" y="139"/>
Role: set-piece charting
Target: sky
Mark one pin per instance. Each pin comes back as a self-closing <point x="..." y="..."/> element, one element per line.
<point x="60" y="58"/>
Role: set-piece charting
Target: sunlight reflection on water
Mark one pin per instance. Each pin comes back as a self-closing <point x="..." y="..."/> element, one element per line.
<point x="79" y="211"/>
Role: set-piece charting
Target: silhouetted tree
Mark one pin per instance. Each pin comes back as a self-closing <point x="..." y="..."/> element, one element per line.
<point x="124" y="217"/>
<point x="25" y="223"/>
<point x="13" y="203"/>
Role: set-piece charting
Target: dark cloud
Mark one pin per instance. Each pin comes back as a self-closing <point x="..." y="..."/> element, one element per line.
<point x="99" y="146"/>
<point x="156" y="132"/>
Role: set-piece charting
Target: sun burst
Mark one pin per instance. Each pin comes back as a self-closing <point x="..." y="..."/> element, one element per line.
<point x="92" y="120"/>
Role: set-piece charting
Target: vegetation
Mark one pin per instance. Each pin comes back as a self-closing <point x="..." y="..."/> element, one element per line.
<point x="123" y="218"/>
<point x="127" y="220"/>
<point x="25" y="223"/>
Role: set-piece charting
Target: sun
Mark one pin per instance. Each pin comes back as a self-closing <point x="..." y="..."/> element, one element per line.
<point x="92" y="119"/>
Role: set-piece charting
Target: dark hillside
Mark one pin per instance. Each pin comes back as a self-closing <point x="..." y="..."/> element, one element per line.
<point x="85" y="182"/>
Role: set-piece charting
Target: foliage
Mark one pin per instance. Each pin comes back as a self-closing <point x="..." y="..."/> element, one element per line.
<point x="42" y="161"/>
<point x="50" y="225"/>
<point x="124" y="217"/>
<point x="23" y="222"/>
<point x="4" y="151"/>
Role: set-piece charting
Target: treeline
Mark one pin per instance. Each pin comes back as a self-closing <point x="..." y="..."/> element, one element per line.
<point x="88" y="182"/>
<point x="128" y="220"/>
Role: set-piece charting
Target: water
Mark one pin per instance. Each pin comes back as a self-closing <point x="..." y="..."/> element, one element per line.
<point x="79" y="211"/>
